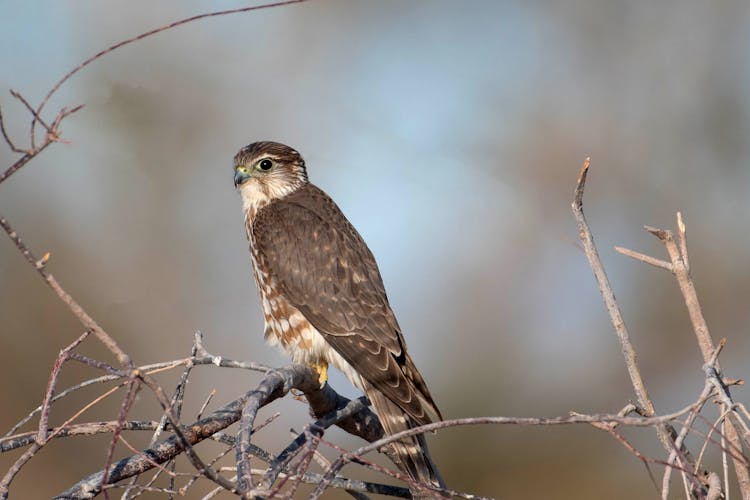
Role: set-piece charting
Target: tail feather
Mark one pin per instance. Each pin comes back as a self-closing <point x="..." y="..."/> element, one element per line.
<point x="411" y="453"/>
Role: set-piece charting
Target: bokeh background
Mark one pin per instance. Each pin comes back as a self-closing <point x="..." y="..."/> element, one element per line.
<point x="451" y="134"/>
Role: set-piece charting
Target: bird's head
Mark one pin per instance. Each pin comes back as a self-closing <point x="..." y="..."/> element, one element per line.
<point x="268" y="170"/>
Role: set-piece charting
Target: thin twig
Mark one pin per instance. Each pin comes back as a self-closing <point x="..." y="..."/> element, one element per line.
<point x="531" y="421"/>
<point x="678" y="256"/>
<point x="663" y="264"/>
<point x="147" y="34"/>
<point x="33" y="112"/>
<point x="687" y="287"/>
<point x="678" y="443"/>
<point x="7" y="138"/>
<point x="724" y="463"/>
<point x="205" y="403"/>
<point x="665" y="433"/>
<point x="74" y="307"/>
<point x="182" y="438"/>
<point x="317" y="428"/>
<point x="42" y="435"/>
<point x="609" y="297"/>
<point x="204" y="359"/>
<point x="34" y="151"/>
<point x="133" y="385"/>
<point x="301" y="377"/>
<point x="85" y="429"/>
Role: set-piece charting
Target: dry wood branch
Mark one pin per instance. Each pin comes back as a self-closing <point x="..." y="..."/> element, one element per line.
<point x="182" y="438"/>
<point x="666" y="433"/>
<point x="85" y="429"/>
<point x="675" y="454"/>
<point x="352" y="485"/>
<point x="646" y="406"/>
<point x="274" y="385"/>
<point x="147" y="34"/>
<point x="663" y="264"/>
<point x="655" y="421"/>
<point x="7" y="138"/>
<point x="687" y="287"/>
<point x="53" y="130"/>
<point x="42" y="435"/>
<point x="315" y="428"/>
<point x="53" y="135"/>
<point x="204" y="358"/>
<point x="133" y="386"/>
<point x="75" y="308"/>
<point x="678" y="254"/>
<point x="326" y="405"/>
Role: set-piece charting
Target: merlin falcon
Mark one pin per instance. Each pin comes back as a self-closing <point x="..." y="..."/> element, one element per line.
<point x="323" y="298"/>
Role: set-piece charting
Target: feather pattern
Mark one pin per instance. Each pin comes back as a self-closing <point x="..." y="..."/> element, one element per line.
<point x="324" y="300"/>
<point x="322" y="266"/>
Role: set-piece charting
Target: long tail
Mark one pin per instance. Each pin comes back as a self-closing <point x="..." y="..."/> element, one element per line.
<point x="411" y="453"/>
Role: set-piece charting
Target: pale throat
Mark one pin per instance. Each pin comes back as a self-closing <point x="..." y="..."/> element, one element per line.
<point x="256" y="195"/>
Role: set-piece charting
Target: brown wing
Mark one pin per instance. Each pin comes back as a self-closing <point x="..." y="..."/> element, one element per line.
<point x="325" y="269"/>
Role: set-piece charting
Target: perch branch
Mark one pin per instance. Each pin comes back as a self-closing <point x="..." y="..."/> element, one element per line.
<point x="274" y="385"/>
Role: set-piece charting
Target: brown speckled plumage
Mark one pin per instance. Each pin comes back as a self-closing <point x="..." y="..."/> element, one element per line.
<point x="323" y="297"/>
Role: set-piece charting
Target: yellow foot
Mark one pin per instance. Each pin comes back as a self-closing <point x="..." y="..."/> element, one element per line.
<point x="322" y="368"/>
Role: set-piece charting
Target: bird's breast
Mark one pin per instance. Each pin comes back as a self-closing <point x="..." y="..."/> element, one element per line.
<point x="287" y="327"/>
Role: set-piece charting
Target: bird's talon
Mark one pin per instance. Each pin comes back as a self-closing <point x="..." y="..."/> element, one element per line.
<point x="322" y="368"/>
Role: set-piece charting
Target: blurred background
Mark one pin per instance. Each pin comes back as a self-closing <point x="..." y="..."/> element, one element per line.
<point x="451" y="134"/>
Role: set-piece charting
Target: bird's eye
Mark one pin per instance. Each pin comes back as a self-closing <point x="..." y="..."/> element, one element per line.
<point x="265" y="164"/>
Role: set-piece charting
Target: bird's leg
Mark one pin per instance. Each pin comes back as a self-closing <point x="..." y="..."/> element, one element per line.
<point x="322" y="368"/>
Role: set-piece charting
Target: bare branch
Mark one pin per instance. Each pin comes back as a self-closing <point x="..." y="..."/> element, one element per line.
<point x="204" y="359"/>
<point x="274" y="385"/>
<point x="34" y="114"/>
<point x="687" y="287"/>
<point x="530" y="421"/>
<point x="678" y="256"/>
<point x="86" y="429"/>
<point x="663" y="264"/>
<point x="133" y="385"/>
<point x="666" y="432"/>
<point x="74" y="307"/>
<point x="147" y="34"/>
<point x="7" y="138"/>
<point x="609" y="297"/>
<point x="317" y="428"/>
<point x="42" y="435"/>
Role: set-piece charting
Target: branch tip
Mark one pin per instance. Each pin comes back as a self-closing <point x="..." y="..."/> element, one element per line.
<point x="680" y="223"/>
<point x="662" y="234"/>
<point x="581" y="184"/>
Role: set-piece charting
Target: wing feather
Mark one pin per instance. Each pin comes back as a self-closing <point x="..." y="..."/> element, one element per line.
<point x="326" y="270"/>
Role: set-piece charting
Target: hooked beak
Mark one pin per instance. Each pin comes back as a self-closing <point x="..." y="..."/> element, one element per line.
<point x="240" y="177"/>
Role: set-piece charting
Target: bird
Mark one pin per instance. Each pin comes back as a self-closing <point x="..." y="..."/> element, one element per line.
<point x="323" y="298"/>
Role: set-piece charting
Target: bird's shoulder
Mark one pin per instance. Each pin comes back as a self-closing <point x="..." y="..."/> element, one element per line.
<point x="306" y="209"/>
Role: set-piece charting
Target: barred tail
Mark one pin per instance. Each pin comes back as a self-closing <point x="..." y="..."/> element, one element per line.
<point x="411" y="454"/>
